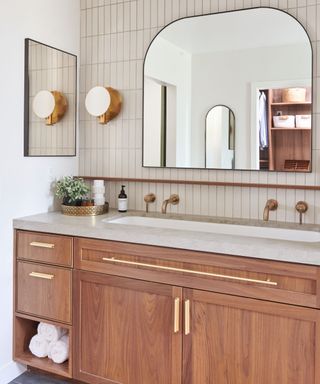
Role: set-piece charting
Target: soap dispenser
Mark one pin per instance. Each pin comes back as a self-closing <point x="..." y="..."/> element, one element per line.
<point x="122" y="200"/>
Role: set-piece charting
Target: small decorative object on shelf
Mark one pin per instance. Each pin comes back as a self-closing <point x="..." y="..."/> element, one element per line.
<point x="75" y="202"/>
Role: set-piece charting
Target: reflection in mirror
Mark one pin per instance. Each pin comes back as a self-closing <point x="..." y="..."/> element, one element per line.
<point x="50" y="101"/>
<point x="220" y="138"/>
<point x="220" y="59"/>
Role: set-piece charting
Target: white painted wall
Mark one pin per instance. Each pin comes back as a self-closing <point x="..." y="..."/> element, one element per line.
<point x="174" y="70"/>
<point x="229" y="83"/>
<point x="25" y="182"/>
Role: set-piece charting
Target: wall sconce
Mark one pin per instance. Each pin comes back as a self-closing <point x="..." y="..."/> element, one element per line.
<point x="50" y="105"/>
<point x="104" y="103"/>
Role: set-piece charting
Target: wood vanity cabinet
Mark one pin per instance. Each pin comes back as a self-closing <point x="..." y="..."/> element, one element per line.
<point x="42" y="292"/>
<point x="144" y="314"/>
<point x="133" y="330"/>
<point x="125" y="331"/>
<point x="244" y="341"/>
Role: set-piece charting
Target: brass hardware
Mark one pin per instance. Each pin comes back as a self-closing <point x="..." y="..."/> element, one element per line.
<point x="114" y="107"/>
<point x="41" y="245"/>
<point x="271" y="205"/>
<point x="176" y="319"/>
<point x="41" y="275"/>
<point x="149" y="198"/>
<point x="236" y="278"/>
<point x="301" y="207"/>
<point x="173" y="199"/>
<point x="186" y="317"/>
<point x="60" y="108"/>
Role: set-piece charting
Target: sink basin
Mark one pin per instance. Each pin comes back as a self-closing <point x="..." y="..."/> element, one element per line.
<point x="218" y="228"/>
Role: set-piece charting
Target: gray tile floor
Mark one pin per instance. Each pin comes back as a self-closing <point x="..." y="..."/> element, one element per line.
<point x="32" y="378"/>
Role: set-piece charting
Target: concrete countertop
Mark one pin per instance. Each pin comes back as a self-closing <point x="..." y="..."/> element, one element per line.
<point x="94" y="227"/>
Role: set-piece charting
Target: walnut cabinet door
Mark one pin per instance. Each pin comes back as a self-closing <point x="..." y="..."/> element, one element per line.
<point x="127" y="331"/>
<point x="234" y="340"/>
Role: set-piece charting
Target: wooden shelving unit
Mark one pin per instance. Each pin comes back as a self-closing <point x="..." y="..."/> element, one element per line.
<point x="286" y="145"/>
<point x="25" y="327"/>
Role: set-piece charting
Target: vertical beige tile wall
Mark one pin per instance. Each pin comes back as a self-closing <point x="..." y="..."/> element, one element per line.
<point x="114" y="37"/>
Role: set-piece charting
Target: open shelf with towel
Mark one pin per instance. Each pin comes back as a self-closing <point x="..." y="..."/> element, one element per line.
<point x="25" y="327"/>
<point x="289" y="132"/>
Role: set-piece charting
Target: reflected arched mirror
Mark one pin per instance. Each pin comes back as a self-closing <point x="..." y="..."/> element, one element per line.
<point x="220" y="138"/>
<point x="256" y="61"/>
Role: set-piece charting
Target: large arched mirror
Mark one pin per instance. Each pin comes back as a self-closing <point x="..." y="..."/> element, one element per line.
<point x="258" y="62"/>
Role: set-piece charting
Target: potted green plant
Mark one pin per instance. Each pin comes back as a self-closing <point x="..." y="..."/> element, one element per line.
<point x="72" y="190"/>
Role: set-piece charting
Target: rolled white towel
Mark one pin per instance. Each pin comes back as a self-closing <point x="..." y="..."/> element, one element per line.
<point x="39" y="346"/>
<point x="60" y="350"/>
<point x="50" y="346"/>
<point x="51" y="332"/>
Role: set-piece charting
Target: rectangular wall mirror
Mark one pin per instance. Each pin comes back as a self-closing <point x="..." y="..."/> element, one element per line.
<point x="230" y="90"/>
<point x="50" y="101"/>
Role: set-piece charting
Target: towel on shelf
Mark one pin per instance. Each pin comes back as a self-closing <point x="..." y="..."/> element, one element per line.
<point x="60" y="350"/>
<point x="51" y="332"/>
<point x="50" y="346"/>
<point x="39" y="346"/>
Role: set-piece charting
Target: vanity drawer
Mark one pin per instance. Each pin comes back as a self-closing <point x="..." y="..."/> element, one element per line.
<point x="51" y="249"/>
<point x="248" y="277"/>
<point x="44" y="291"/>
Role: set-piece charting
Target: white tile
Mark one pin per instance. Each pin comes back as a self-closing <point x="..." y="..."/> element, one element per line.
<point x="126" y="16"/>
<point x="95" y="21"/>
<point x="101" y="21"/>
<point x="107" y="19"/>
<point x="89" y="22"/>
<point x="133" y="15"/>
<point x="120" y="17"/>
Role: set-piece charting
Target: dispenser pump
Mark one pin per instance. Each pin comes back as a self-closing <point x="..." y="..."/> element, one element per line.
<point x="122" y="200"/>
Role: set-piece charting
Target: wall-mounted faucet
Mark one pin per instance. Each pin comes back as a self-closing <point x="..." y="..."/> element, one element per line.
<point x="271" y="205"/>
<point x="149" y="198"/>
<point x="173" y="199"/>
<point x="301" y="207"/>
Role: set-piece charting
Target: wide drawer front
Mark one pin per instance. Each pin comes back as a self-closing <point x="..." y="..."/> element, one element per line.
<point x="52" y="249"/>
<point x="248" y="277"/>
<point x="44" y="291"/>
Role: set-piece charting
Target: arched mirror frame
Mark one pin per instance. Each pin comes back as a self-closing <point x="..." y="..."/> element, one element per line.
<point x="218" y="13"/>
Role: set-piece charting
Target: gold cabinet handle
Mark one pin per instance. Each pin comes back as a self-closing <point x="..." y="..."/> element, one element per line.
<point x="235" y="278"/>
<point x="176" y="319"/>
<point x="41" y="245"/>
<point x="39" y="275"/>
<point x="186" y="317"/>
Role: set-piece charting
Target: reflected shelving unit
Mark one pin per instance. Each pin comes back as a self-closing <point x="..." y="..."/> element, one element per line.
<point x="289" y="147"/>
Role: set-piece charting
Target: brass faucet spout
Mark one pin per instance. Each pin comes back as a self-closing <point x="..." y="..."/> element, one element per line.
<point x="271" y="205"/>
<point x="164" y="206"/>
<point x="173" y="199"/>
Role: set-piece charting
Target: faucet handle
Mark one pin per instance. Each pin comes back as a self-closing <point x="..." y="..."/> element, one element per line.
<point x="149" y="198"/>
<point x="174" y="199"/>
<point x="301" y="207"/>
<point x="272" y="204"/>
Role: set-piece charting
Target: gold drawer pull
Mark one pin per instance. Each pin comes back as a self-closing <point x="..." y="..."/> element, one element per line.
<point x="176" y="320"/>
<point x="187" y="317"/>
<point x="41" y="245"/>
<point x="46" y="276"/>
<point x="236" y="278"/>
